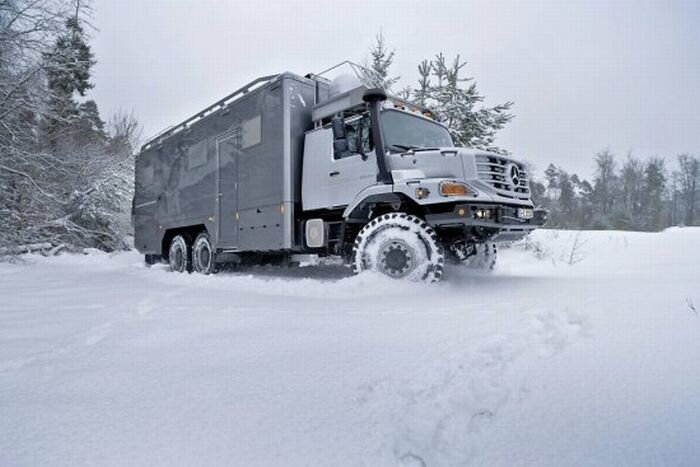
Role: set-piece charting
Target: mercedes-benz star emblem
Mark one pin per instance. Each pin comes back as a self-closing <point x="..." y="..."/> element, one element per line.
<point x="513" y="173"/>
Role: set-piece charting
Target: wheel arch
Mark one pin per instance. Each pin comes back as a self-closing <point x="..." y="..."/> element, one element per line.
<point x="378" y="200"/>
<point x="190" y="232"/>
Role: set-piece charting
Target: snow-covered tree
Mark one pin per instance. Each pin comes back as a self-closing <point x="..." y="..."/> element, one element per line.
<point x="458" y="104"/>
<point x="378" y="65"/>
<point x="64" y="177"/>
<point x="443" y="88"/>
<point x="422" y="94"/>
<point x="68" y="67"/>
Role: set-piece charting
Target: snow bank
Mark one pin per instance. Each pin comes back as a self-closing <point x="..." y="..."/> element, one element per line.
<point x="578" y="348"/>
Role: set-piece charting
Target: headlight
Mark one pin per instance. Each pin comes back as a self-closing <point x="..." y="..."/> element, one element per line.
<point x="455" y="189"/>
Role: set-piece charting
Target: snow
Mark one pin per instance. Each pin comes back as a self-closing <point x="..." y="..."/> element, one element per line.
<point x="106" y="362"/>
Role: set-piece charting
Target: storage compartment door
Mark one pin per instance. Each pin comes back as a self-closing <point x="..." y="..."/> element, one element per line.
<point x="227" y="196"/>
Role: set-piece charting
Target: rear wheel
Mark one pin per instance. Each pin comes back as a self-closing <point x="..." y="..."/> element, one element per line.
<point x="180" y="254"/>
<point x="203" y="254"/>
<point x="401" y="246"/>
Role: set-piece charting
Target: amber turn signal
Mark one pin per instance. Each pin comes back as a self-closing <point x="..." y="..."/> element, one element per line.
<point x="454" y="189"/>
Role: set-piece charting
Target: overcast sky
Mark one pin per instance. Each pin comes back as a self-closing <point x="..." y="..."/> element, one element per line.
<point x="584" y="75"/>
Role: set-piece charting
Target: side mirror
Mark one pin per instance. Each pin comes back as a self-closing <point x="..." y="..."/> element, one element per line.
<point x="340" y="142"/>
<point x="358" y="140"/>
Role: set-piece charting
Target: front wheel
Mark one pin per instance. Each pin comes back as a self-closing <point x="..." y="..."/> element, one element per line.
<point x="401" y="246"/>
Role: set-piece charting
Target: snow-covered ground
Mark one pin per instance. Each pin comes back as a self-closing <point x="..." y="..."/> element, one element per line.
<point x="106" y="362"/>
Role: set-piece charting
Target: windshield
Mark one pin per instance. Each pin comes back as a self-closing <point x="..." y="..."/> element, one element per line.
<point x="404" y="131"/>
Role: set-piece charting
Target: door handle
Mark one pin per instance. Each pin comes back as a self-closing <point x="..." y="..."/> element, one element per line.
<point x="333" y="174"/>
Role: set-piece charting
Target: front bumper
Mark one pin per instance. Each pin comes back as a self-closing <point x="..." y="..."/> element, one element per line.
<point x="504" y="223"/>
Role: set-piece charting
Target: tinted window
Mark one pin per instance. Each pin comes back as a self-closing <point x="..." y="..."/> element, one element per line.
<point x="357" y="129"/>
<point x="251" y="132"/>
<point x="197" y="154"/>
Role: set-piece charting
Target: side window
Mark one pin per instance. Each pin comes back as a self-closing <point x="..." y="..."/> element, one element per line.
<point x="197" y="154"/>
<point x="251" y="132"/>
<point x="357" y="131"/>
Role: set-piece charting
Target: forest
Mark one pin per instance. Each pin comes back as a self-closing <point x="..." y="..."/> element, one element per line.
<point x="626" y="194"/>
<point x="66" y="175"/>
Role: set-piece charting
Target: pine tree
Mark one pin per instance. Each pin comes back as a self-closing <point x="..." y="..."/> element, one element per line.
<point x="458" y="104"/>
<point x="68" y="71"/>
<point x="632" y="178"/>
<point x="380" y="61"/>
<point x="653" y="192"/>
<point x="442" y="88"/>
<point x="688" y="175"/>
<point x="604" y="185"/>
<point x="422" y="94"/>
<point x="88" y="125"/>
<point x="586" y="205"/>
<point x="552" y="176"/>
<point x="567" y="199"/>
<point x="538" y="193"/>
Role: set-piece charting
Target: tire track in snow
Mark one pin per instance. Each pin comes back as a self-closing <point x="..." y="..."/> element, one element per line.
<point x="436" y="418"/>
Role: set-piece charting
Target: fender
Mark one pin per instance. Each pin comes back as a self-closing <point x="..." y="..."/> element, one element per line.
<point x="371" y="193"/>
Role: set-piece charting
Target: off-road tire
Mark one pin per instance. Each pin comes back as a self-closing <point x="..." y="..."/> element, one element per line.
<point x="484" y="259"/>
<point x="180" y="254"/>
<point x="203" y="257"/>
<point x="401" y="246"/>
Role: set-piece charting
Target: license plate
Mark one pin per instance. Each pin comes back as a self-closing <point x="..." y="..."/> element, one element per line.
<point x="526" y="213"/>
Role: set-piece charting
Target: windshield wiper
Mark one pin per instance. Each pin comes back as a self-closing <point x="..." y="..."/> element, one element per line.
<point x="413" y="147"/>
<point x="402" y="147"/>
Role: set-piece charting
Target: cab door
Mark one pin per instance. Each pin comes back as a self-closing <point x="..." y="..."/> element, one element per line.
<point x="354" y="169"/>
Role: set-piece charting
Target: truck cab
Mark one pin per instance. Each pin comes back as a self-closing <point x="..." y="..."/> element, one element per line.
<point x="372" y="156"/>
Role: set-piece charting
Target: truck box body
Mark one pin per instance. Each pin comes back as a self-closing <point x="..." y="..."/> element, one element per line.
<point x="235" y="168"/>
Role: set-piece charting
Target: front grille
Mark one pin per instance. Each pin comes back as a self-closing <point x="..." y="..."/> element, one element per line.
<point x="495" y="171"/>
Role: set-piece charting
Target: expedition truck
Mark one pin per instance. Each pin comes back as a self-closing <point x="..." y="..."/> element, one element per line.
<point x="297" y="165"/>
